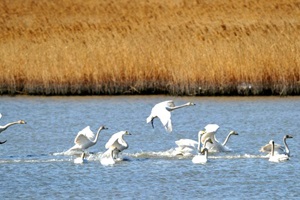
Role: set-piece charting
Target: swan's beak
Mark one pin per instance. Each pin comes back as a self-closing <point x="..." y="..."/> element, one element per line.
<point x="127" y="133"/>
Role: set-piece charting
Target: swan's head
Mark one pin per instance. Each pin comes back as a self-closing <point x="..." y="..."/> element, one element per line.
<point x="204" y="150"/>
<point x="202" y="132"/>
<point x="288" y="136"/>
<point x="103" y="127"/>
<point x="233" y="133"/>
<point x="21" y="122"/>
<point x="126" y="133"/>
<point x="190" y="104"/>
<point x="271" y="142"/>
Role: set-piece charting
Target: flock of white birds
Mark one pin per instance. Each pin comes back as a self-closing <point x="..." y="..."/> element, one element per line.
<point x="206" y="143"/>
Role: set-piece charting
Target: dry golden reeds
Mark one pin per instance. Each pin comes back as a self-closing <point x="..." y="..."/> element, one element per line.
<point x="182" y="47"/>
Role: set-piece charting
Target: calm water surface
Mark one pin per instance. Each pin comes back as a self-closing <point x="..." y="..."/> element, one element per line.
<point x="33" y="166"/>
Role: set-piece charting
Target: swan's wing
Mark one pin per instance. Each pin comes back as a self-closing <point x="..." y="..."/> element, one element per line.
<point x="87" y="132"/>
<point x="186" y="143"/>
<point x="165" y="118"/>
<point x="170" y="103"/>
<point x="81" y="140"/>
<point x="207" y="135"/>
<point x="211" y="128"/>
<point x="267" y="148"/>
<point x="84" y="136"/>
<point x="113" y="139"/>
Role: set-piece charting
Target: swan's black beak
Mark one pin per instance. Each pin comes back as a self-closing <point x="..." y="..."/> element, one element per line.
<point x="152" y="123"/>
<point x="3" y="142"/>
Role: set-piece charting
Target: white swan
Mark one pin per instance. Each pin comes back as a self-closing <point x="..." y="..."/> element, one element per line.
<point x="85" y="139"/>
<point x="187" y="147"/>
<point x="3" y="128"/>
<point x="216" y="146"/>
<point x="201" y="158"/>
<point x="81" y="159"/>
<point x="117" y="144"/>
<point x="276" y="157"/>
<point x="163" y="112"/>
<point x="202" y="155"/>
<point x="278" y="149"/>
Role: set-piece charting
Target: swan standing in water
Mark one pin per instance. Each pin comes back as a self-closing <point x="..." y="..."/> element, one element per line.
<point x="107" y="158"/>
<point x="201" y="158"/>
<point x="278" y="149"/>
<point x="216" y="146"/>
<point x="81" y="159"/>
<point x="3" y="128"/>
<point x="85" y="139"/>
<point x="163" y="112"/>
<point x="202" y="155"/>
<point x="276" y="157"/>
<point x="188" y="147"/>
<point x="114" y="146"/>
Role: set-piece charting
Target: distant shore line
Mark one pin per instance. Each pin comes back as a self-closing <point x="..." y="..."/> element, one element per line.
<point x="211" y="90"/>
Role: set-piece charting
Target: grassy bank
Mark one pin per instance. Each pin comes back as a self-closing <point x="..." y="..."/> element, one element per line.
<point x="81" y="47"/>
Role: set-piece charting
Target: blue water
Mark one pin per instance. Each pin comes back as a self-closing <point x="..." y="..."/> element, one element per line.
<point x="33" y="166"/>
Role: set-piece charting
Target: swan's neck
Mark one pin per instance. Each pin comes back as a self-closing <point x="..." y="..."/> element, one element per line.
<point x="176" y="107"/>
<point x="272" y="149"/>
<point x="206" y="141"/>
<point x="226" y="139"/>
<point x="124" y="143"/>
<point x="97" y="135"/>
<point x="205" y="153"/>
<point x="199" y="142"/>
<point x="287" y="150"/>
<point x="112" y="153"/>
<point x="2" y="128"/>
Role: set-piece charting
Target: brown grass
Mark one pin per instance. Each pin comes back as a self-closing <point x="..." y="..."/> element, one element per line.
<point x="177" y="47"/>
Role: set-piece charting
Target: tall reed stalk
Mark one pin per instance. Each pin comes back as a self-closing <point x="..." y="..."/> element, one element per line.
<point x="182" y="47"/>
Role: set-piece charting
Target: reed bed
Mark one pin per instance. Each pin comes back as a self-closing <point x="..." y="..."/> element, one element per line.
<point x="180" y="47"/>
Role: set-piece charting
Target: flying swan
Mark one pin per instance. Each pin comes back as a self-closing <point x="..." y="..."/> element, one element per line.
<point x="3" y="128"/>
<point x="276" y="157"/>
<point x="278" y="149"/>
<point x="216" y="146"/>
<point x="85" y="139"/>
<point x="114" y="146"/>
<point x="163" y="112"/>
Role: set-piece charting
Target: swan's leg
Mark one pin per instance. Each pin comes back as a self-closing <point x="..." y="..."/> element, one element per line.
<point x="3" y="142"/>
<point x="115" y="154"/>
<point x="152" y="122"/>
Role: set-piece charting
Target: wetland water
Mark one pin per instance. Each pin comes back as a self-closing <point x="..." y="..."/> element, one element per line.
<point x="33" y="167"/>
